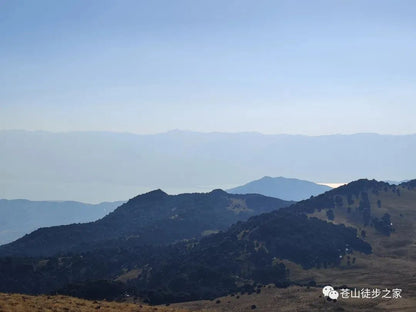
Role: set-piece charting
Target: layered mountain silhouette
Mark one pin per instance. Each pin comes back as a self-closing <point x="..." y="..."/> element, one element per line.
<point x="151" y="218"/>
<point x="178" y="161"/>
<point x="365" y="228"/>
<point x="280" y="187"/>
<point x="20" y="216"/>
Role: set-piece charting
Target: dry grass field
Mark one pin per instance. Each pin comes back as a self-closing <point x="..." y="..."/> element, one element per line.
<point x="25" y="303"/>
<point x="270" y="299"/>
<point x="299" y="299"/>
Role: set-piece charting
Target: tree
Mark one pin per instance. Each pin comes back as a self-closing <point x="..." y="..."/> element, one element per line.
<point x="330" y="214"/>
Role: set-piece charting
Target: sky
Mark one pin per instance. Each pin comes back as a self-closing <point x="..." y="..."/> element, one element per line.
<point x="295" y="67"/>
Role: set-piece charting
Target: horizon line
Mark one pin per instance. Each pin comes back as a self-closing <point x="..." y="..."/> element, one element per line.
<point x="332" y="185"/>
<point x="172" y="131"/>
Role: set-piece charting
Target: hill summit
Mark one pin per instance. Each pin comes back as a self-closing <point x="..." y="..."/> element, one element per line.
<point x="280" y="187"/>
<point x="154" y="218"/>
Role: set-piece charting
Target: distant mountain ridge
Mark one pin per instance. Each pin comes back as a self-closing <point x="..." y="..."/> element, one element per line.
<point x="21" y="216"/>
<point x="152" y="218"/>
<point x="280" y="187"/>
<point x="62" y="165"/>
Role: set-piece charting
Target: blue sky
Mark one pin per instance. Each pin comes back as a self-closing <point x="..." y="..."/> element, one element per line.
<point x="298" y="67"/>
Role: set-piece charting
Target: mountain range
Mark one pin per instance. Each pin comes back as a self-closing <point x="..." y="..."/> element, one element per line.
<point x="152" y="218"/>
<point x="105" y="166"/>
<point x="20" y="216"/>
<point x="358" y="235"/>
<point x="280" y="187"/>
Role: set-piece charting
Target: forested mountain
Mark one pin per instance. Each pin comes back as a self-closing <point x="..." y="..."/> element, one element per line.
<point x="363" y="228"/>
<point x="152" y="218"/>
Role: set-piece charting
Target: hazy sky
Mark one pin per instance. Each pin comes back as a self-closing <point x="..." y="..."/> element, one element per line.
<point x="299" y="67"/>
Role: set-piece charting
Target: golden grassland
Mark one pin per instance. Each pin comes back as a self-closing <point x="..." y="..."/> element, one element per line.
<point x="393" y="261"/>
<point x="296" y="298"/>
<point x="26" y="303"/>
<point x="270" y="299"/>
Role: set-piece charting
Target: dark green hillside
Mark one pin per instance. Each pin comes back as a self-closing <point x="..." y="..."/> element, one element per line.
<point x="238" y="259"/>
<point x="247" y="254"/>
<point x="370" y="231"/>
<point x="360" y="203"/>
<point x="151" y="218"/>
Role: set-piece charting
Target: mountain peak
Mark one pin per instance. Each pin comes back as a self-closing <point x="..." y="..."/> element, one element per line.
<point x="153" y="195"/>
<point x="281" y="187"/>
<point x="218" y="192"/>
<point x="361" y="185"/>
<point x="410" y="183"/>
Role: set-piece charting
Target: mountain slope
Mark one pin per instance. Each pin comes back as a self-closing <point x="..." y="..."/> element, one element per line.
<point x="20" y="216"/>
<point x="239" y="259"/>
<point x="367" y="241"/>
<point x="280" y="187"/>
<point x="383" y="214"/>
<point x="151" y="218"/>
<point x="305" y="244"/>
<point x="25" y="303"/>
